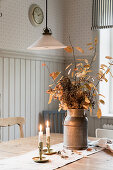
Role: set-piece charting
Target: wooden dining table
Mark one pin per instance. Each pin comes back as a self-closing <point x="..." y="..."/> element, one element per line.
<point x="102" y="160"/>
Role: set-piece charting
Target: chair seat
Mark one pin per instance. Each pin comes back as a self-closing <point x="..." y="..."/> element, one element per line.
<point x="104" y="133"/>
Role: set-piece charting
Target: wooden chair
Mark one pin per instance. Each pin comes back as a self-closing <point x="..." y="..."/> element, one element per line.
<point x="56" y="120"/>
<point x="4" y="122"/>
<point x="104" y="133"/>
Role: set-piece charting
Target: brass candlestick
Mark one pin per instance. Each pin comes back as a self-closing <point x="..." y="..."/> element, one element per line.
<point x="40" y="159"/>
<point x="48" y="151"/>
<point x="40" y="149"/>
<point x="48" y="143"/>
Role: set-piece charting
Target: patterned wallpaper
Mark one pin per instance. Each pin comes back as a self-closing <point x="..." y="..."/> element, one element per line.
<point x="78" y="27"/>
<point x="65" y="17"/>
<point x="16" y="31"/>
<point x="24" y="81"/>
<point x="78" y="23"/>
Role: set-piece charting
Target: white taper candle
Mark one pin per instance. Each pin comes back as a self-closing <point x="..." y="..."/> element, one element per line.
<point x="47" y="129"/>
<point x="40" y="134"/>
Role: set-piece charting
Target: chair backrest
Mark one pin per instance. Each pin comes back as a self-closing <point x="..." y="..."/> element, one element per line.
<point x="4" y="122"/>
<point x="56" y="120"/>
<point x="104" y="133"/>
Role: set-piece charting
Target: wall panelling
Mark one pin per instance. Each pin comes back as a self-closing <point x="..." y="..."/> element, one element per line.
<point x="23" y="85"/>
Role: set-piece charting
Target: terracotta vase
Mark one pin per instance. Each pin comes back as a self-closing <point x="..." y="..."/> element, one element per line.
<point x="75" y="129"/>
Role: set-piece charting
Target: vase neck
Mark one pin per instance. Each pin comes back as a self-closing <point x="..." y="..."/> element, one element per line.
<point x="76" y="112"/>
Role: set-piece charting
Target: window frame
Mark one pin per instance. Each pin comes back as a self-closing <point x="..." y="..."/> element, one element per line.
<point x="105" y="49"/>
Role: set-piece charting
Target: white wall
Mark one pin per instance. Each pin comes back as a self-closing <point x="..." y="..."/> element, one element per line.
<point x="78" y="23"/>
<point x="78" y="27"/>
<point x="16" y="31"/>
<point x="23" y="80"/>
<point x="23" y="86"/>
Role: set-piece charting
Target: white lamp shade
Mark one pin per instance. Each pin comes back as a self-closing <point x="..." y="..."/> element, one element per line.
<point x="46" y="42"/>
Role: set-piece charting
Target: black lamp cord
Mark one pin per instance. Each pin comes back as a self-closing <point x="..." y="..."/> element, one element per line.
<point x="47" y="31"/>
<point x="46" y="14"/>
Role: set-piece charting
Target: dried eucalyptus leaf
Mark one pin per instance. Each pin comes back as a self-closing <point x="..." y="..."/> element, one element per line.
<point x="99" y="113"/>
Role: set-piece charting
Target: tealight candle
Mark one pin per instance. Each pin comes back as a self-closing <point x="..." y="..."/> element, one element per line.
<point x="40" y="134"/>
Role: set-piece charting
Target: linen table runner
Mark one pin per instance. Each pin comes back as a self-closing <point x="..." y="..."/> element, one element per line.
<point x="25" y="162"/>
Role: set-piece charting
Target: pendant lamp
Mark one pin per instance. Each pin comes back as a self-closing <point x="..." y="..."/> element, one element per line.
<point x="46" y="41"/>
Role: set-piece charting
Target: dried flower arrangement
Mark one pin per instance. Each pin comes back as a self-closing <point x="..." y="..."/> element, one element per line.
<point x="77" y="89"/>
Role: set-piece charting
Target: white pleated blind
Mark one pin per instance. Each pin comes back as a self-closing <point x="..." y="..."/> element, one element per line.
<point x="102" y="14"/>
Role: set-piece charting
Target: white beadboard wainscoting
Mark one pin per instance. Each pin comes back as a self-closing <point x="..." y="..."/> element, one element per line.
<point x="23" y="85"/>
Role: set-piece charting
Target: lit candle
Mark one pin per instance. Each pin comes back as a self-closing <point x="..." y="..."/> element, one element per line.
<point x="40" y="134"/>
<point x="40" y="142"/>
<point x="47" y="129"/>
<point x="48" y="137"/>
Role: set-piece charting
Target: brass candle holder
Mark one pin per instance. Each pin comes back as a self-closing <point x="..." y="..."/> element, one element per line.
<point x="48" y="151"/>
<point x="40" y="150"/>
<point x="40" y="159"/>
<point x="48" y="143"/>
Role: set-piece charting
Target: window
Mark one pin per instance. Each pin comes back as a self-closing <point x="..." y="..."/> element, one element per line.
<point x="106" y="49"/>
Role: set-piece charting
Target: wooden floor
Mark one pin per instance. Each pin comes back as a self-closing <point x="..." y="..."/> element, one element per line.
<point x="99" y="161"/>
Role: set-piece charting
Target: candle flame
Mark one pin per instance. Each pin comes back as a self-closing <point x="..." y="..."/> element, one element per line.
<point x="40" y="127"/>
<point x="47" y="123"/>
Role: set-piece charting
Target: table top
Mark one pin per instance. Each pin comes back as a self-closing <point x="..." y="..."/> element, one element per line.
<point x="102" y="160"/>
